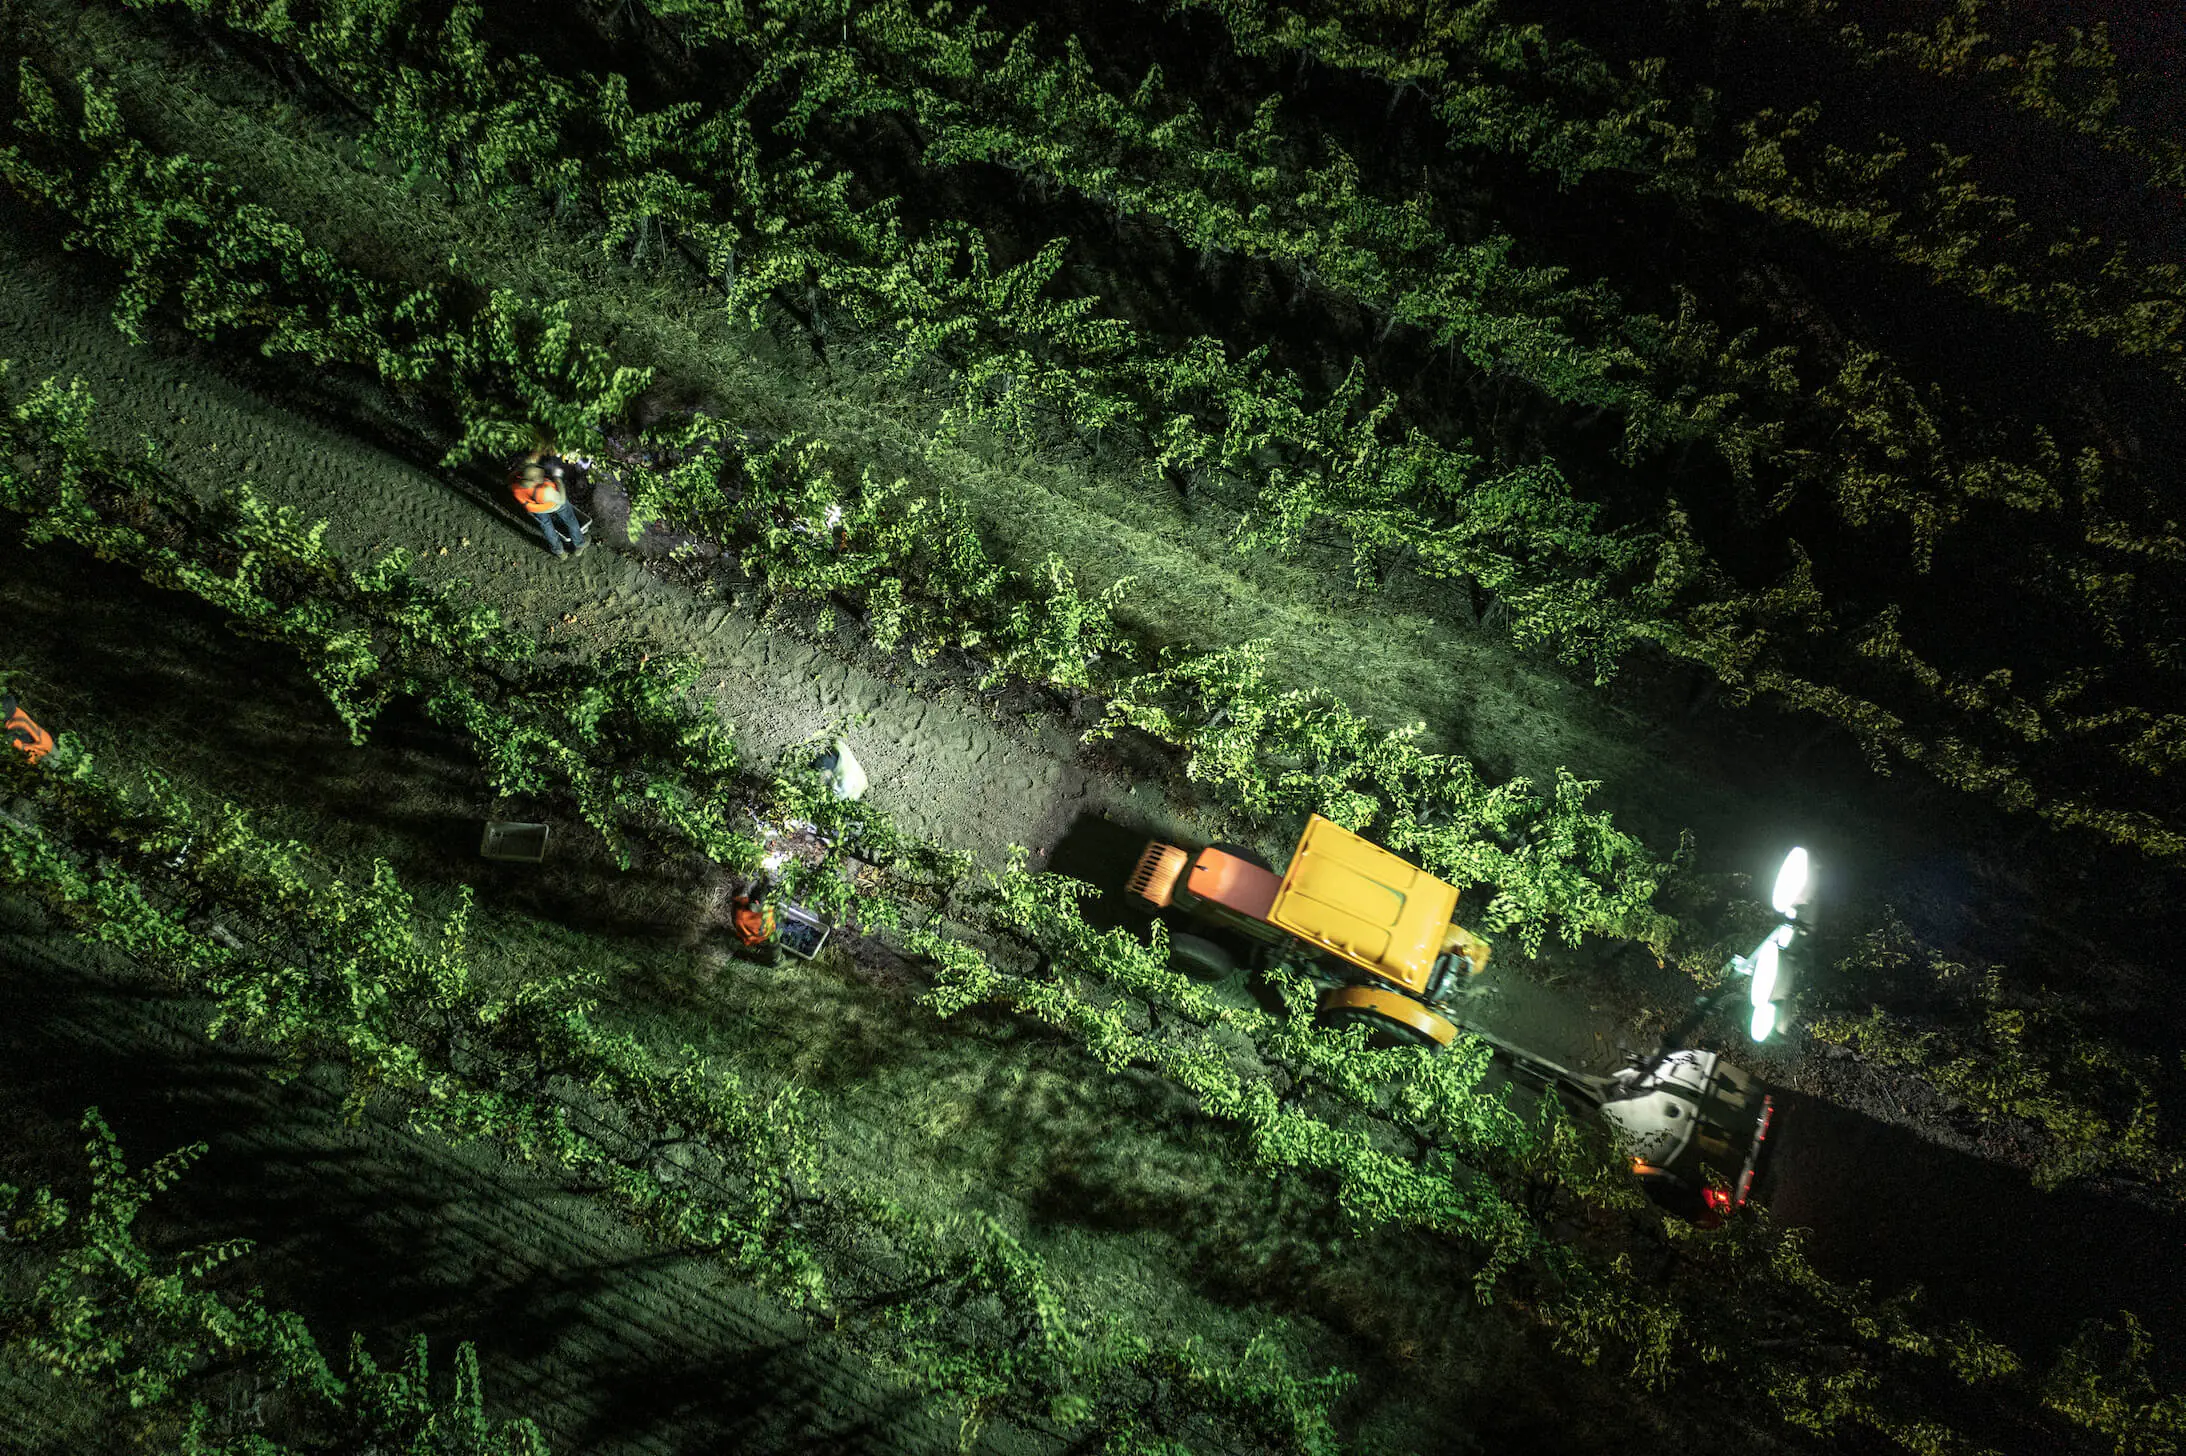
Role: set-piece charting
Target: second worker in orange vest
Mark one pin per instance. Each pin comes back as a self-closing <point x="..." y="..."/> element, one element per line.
<point x="20" y="730"/>
<point x="539" y="486"/>
<point x="756" y="927"/>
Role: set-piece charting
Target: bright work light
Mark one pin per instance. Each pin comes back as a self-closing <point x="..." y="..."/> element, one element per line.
<point x="1764" y="973"/>
<point x="1790" y="891"/>
<point x="1773" y="968"/>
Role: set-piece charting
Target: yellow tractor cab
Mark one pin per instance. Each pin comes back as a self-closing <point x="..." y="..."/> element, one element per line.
<point x="1374" y="928"/>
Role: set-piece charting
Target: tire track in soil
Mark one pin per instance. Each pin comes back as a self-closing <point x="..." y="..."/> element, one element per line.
<point x="613" y="1345"/>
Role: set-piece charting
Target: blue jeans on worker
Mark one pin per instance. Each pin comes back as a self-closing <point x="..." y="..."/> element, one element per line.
<point x="558" y="525"/>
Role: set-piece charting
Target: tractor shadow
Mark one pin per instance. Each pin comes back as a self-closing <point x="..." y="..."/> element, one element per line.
<point x="1102" y="851"/>
<point x="1883" y="1204"/>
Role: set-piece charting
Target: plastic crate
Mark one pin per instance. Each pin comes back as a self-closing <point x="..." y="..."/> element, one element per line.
<point x="801" y="932"/>
<point x="513" y="841"/>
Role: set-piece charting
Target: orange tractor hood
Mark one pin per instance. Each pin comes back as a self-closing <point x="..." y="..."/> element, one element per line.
<point x="1359" y="901"/>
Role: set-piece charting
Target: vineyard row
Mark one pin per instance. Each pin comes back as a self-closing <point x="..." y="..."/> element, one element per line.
<point x="1560" y="108"/>
<point x="919" y="572"/>
<point x="1265" y="752"/>
<point x="346" y="974"/>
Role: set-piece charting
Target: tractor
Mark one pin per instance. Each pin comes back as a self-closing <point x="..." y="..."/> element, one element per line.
<point x="1376" y="933"/>
<point x="1372" y="928"/>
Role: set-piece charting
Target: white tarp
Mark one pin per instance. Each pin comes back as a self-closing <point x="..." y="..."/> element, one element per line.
<point x="840" y="768"/>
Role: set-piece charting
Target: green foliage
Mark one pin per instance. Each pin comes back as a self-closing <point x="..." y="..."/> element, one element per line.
<point x="789" y="230"/>
<point x="511" y="367"/>
<point x="1092" y="979"/>
<point x="378" y="973"/>
<point x="1734" y="1293"/>
<point x="1560" y="108"/>
<point x="1883" y="450"/>
<point x="1575" y="870"/>
<point x="617" y="734"/>
<point x="1564" y="596"/>
<point x="1058" y="639"/>
<point x="1614" y="1315"/>
<point x="93" y="1305"/>
<point x="1570" y="604"/>
<point x="2074" y="85"/>
<point x="107" y="1311"/>
<point x="2110" y="1392"/>
<point x="1953" y="231"/>
<point x="519" y="369"/>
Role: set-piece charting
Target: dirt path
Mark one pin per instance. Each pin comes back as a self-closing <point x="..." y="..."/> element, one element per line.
<point x="984" y="1127"/>
<point x="941" y="764"/>
<point x="1393" y="657"/>
<point x="942" y="767"/>
<point x="1745" y="781"/>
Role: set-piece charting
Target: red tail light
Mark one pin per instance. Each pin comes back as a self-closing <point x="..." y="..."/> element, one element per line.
<point x="1718" y="1200"/>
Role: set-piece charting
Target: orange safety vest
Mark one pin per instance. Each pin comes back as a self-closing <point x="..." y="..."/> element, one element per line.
<point x="538" y="499"/>
<point x="753" y="927"/>
<point x="547" y="495"/>
<point x="35" y="742"/>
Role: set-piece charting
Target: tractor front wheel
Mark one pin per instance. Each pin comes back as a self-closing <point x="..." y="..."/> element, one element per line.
<point x="1199" y="957"/>
<point x="1390" y="1019"/>
<point x="1381" y="1031"/>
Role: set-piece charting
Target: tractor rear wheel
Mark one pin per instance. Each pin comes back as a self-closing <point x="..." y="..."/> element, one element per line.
<point x="1381" y="1031"/>
<point x="1199" y="957"/>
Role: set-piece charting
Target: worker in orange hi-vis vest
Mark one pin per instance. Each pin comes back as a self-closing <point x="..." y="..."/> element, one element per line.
<point x="539" y="482"/>
<point x="755" y="926"/>
<point x="25" y="734"/>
